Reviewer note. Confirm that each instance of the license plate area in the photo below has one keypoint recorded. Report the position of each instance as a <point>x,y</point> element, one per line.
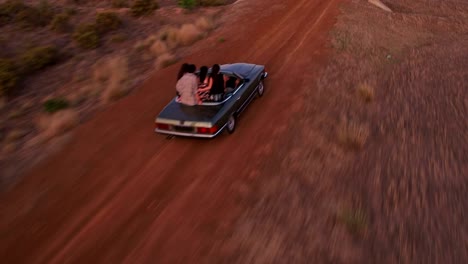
<point>185,129</point>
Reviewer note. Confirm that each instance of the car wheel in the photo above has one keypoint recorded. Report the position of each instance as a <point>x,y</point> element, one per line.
<point>260,89</point>
<point>231,124</point>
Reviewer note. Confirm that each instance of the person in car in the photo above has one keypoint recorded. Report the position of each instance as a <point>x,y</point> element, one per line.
<point>203,82</point>
<point>202,77</point>
<point>231,83</point>
<point>187,87</point>
<point>215,84</point>
<point>182,71</point>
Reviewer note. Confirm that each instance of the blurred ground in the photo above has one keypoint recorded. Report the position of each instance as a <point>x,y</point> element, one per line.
<point>357,155</point>
<point>374,169</point>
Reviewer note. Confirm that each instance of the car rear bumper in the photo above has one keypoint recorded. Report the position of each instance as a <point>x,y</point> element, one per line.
<point>184,134</point>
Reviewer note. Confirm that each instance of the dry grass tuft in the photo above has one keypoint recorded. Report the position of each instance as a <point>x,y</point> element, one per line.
<point>110,76</point>
<point>170,35</point>
<point>366,91</point>
<point>165,60</point>
<point>352,134</point>
<point>57,124</point>
<point>158,48</point>
<point>204,24</point>
<point>189,34</point>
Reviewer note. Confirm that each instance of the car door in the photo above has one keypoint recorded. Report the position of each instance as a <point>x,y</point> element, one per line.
<point>241,94</point>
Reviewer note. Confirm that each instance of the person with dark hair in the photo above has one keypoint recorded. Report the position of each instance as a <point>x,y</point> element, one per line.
<point>215,84</point>
<point>182,70</point>
<point>187,87</point>
<point>202,80</point>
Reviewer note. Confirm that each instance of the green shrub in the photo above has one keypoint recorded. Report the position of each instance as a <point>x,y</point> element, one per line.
<point>86,36</point>
<point>107,21</point>
<point>55,105</point>
<point>143,7</point>
<point>60,23</point>
<point>9,76</point>
<point>119,3</point>
<point>38,58</point>
<point>187,4</point>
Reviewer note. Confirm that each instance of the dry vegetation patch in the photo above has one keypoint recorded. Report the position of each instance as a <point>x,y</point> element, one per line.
<point>72,52</point>
<point>165,60</point>
<point>111,76</point>
<point>55,124</point>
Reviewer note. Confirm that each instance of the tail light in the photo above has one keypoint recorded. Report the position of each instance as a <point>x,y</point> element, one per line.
<point>162,126</point>
<point>207,130</point>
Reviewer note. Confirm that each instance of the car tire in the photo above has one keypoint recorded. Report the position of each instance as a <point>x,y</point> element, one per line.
<point>231,124</point>
<point>260,89</point>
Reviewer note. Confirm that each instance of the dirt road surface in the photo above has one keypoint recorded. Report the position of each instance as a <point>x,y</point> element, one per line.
<point>118,193</point>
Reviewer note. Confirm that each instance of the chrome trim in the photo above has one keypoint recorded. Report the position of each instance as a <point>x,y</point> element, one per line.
<point>186,123</point>
<point>167,132</point>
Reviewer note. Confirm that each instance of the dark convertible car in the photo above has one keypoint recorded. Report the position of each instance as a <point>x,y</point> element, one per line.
<point>211,118</point>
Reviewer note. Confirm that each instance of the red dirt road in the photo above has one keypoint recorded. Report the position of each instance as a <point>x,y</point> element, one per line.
<point>119,193</point>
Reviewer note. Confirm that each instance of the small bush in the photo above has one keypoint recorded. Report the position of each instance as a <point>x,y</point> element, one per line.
<point>188,34</point>
<point>204,24</point>
<point>158,48</point>
<point>107,21</point>
<point>111,77</point>
<point>60,23</point>
<point>56,124</point>
<point>55,105</point>
<point>165,60</point>
<point>143,7</point>
<point>86,36</point>
<point>38,58</point>
<point>187,4</point>
<point>8,76</point>
<point>170,36</point>
<point>119,3</point>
